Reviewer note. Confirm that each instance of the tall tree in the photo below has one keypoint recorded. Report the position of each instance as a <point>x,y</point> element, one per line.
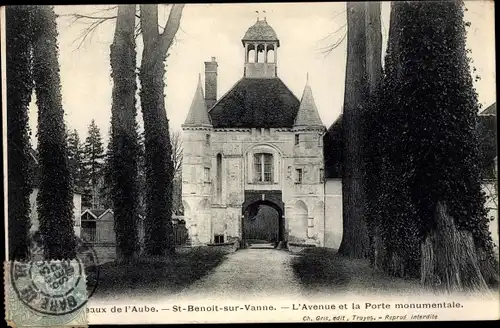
<point>355,242</point>
<point>124,135</point>
<point>374,78</point>
<point>75,155</point>
<point>19,89</point>
<point>55,197</point>
<point>432,215</point>
<point>158,149</point>
<point>93,161</point>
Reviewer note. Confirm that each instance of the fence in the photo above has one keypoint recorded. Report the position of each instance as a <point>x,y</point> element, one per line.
<point>181,235</point>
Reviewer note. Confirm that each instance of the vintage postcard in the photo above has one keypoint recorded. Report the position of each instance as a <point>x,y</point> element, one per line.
<point>239,163</point>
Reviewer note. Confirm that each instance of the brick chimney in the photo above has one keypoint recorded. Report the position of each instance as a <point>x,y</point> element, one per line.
<point>211,82</point>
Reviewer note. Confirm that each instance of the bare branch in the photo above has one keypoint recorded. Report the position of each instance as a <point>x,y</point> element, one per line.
<point>80,16</point>
<point>177,151</point>
<point>327,50</point>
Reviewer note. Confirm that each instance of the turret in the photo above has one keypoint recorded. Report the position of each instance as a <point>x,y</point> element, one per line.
<point>261,44</point>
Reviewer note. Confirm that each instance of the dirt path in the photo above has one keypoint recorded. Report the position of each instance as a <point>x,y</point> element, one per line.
<point>249,274</point>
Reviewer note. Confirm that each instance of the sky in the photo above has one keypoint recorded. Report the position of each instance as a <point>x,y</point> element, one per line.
<point>215,30</point>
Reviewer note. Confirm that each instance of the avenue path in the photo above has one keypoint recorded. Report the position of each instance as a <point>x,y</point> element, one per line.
<point>249,274</point>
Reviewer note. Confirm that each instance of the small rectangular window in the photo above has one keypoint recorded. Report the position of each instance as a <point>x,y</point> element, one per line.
<point>297,139</point>
<point>219,239</point>
<point>298,175</point>
<point>207,140</point>
<point>207,175</point>
<point>321,175</point>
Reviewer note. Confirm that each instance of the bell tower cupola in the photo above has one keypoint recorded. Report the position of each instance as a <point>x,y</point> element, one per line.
<point>261,44</point>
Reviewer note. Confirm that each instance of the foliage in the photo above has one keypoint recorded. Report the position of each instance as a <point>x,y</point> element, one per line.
<point>105,193</point>
<point>19,89</point>
<point>93,155</point>
<point>422,132</point>
<point>75,156</point>
<point>55,197</point>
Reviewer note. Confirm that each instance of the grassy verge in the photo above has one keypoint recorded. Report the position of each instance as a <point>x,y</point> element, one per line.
<point>322,270</point>
<point>148,275</point>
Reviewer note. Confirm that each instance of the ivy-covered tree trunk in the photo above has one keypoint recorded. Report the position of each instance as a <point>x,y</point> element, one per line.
<point>158,149</point>
<point>19,89</point>
<point>55,197</point>
<point>124,136</point>
<point>355,242</point>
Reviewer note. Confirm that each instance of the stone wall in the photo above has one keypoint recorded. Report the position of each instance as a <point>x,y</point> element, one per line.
<point>333,213</point>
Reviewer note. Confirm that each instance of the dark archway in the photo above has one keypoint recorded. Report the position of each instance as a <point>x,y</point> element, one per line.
<point>262,222</point>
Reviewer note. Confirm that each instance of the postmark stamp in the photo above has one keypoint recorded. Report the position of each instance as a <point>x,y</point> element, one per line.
<point>46,293</point>
<point>50,293</point>
<point>50,287</point>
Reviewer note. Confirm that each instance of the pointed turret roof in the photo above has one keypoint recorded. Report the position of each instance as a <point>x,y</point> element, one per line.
<point>307,115</point>
<point>198,112</point>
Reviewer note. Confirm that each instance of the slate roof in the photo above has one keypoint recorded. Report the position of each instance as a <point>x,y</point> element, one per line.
<point>490,110</point>
<point>260,31</point>
<point>308,115</point>
<point>198,112</point>
<point>256,103</point>
<point>332,150</point>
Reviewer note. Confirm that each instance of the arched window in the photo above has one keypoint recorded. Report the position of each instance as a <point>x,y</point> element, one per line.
<point>251,53</point>
<point>261,53</point>
<point>263,167</point>
<point>219,178</point>
<point>270,54</point>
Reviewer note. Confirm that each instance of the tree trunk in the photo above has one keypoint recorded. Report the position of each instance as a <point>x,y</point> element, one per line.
<point>124,136</point>
<point>19,89</point>
<point>158,148</point>
<point>449,260</point>
<point>373,45</point>
<point>355,243</point>
<point>55,198</point>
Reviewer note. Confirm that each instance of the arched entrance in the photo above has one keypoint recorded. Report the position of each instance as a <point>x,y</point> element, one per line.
<point>262,223</point>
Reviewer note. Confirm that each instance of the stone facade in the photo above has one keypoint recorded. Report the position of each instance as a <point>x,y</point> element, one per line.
<point>217,210</point>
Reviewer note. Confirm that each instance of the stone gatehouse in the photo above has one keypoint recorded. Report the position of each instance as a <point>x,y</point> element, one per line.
<point>253,165</point>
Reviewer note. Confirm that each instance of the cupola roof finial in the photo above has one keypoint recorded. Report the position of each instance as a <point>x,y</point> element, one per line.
<point>258,16</point>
